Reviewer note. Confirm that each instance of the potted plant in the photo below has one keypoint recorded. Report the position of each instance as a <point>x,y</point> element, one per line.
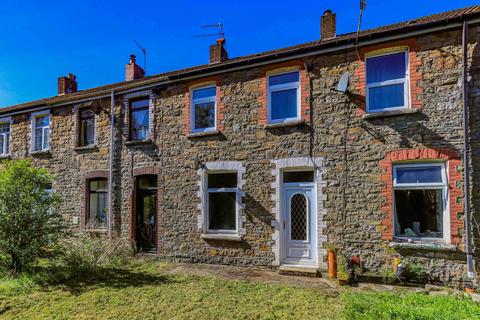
<point>342,272</point>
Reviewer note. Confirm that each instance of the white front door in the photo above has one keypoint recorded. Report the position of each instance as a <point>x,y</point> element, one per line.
<point>299,224</point>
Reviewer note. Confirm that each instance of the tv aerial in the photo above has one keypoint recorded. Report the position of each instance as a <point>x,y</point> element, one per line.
<point>219,34</point>
<point>144,51</point>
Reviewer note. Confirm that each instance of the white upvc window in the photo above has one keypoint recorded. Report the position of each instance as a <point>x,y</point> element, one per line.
<point>420,202</point>
<point>222,202</point>
<point>283,97</point>
<point>5,127</point>
<point>40,131</point>
<point>387,82</point>
<point>203,109</point>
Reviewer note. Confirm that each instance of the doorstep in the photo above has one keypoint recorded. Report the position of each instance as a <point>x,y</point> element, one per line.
<point>304,271</point>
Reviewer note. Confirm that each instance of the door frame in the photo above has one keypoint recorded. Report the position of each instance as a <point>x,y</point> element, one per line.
<point>311,221</point>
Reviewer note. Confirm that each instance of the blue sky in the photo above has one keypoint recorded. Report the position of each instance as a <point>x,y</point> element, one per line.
<point>42,40</point>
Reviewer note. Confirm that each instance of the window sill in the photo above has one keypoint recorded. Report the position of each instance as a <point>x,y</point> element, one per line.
<point>203,134</point>
<point>285,124</point>
<point>86,148</point>
<point>5,156</point>
<point>96,230</point>
<point>429,246</point>
<point>40,153</point>
<point>221,236</point>
<point>138,142</point>
<point>391,113</point>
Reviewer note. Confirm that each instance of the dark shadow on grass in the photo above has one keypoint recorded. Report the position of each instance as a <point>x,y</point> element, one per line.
<point>78,281</point>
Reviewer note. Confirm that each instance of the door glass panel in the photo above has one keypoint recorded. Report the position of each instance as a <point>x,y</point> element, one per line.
<point>298,217</point>
<point>148,222</point>
<point>298,176</point>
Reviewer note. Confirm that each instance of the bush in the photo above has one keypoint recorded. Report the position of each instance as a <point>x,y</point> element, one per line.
<point>82,251</point>
<point>29,223</point>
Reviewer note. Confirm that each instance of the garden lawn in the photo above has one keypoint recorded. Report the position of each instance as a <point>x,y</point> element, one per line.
<point>146,291</point>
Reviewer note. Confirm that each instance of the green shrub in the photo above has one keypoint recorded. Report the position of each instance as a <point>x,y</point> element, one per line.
<point>29,223</point>
<point>83,251</point>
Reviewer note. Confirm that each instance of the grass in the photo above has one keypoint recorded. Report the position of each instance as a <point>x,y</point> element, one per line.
<point>146,291</point>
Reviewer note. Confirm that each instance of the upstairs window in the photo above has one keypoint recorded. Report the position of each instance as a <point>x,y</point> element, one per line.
<point>203,109</point>
<point>87,128</point>
<point>284,97</point>
<point>222,202</point>
<point>139,119</point>
<point>387,82</point>
<point>97,203</point>
<point>420,200</point>
<point>40,132</point>
<point>4,137</point>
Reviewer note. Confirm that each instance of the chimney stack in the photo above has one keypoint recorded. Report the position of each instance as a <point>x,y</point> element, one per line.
<point>328,25</point>
<point>218,52</point>
<point>133,71</point>
<point>67,84</point>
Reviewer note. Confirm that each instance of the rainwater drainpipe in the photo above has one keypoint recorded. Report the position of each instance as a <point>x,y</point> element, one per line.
<point>110,165</point>
<point>466,153</point>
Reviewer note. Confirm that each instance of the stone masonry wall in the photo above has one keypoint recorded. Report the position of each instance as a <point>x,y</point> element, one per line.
<point>352,148</point>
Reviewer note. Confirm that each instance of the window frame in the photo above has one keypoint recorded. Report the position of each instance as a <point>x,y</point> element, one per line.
<point>79,133</point>
<point>193,102</point>
<point>443,186</point>
<point>97,224</point>
<point>221,190</point>
<point>7,136</point>
<point>34,119</point>
<point>405,81</point>
<point>280,87</point>
<point>130,115</point>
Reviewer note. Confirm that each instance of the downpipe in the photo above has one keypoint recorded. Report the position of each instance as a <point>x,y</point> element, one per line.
<point>110,165</point>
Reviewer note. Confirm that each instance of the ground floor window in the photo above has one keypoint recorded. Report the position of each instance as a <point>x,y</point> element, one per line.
<point>97,203</point>
<point>420,200</point>
<point>222,201</point>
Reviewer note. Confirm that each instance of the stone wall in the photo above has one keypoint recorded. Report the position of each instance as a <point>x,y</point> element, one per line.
<point>351,147</point>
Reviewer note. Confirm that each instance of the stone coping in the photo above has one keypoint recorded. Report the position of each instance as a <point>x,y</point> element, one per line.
<point>430,246</point>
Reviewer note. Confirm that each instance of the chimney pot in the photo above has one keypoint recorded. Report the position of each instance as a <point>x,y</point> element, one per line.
<point>218,53</point>
<point>133,70</point>
<point>328,25</point>
<point>67,84</point>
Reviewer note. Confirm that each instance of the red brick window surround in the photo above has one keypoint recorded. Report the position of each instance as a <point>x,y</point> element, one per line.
<point>413,75</point>
<point>454,181</point>
<point>216,82</point>
<point>275,69</point>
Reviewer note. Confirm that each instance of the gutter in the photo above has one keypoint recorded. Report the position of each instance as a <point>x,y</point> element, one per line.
<point>466,154</point>
<point>293,54</point>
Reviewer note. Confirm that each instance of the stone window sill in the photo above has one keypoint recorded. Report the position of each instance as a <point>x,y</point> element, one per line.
<point>221,236</point>
<point>5,156</point>
<point>285,124</point>
<point>40,153</point>
<point>429,246</point>
<point>138,142</point>
<point>86,148</point>
<point>391,113</point>
<point>96,230</point>
<point>203,134</point>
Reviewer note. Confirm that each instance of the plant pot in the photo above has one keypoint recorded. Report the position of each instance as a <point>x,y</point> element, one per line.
<point>332,264</point>
<point>469,290</point>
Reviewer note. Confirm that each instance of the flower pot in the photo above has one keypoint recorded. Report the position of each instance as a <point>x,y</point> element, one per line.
<point>332,264</point>
<point>469,290</point>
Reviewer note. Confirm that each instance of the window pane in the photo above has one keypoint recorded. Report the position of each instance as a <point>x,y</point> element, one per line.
<point>204,93</point>
<point>135,104</point>
<point>204,115</point>
<point>7,143</point>
<point>221,211</point>
<point>283,78</point>
<point>387,67</point>
<point>298,176</point>
<point>284,104</point>
<point>86,114</point>
<point>2,144</point>
<point>139,124</point>
<point>419,175</point>
<point>385,97</point>
<point>87,133</point>
<point>147,182</point>
<point>222,180</point>
<point>38,139</point>
<point>4,127</point>
<point>42,121</point>
<point>46,138</point>
<point>419,213</point>
<point>298,217</point>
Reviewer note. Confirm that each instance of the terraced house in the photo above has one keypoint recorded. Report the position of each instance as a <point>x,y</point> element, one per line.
<point>262,160</point>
